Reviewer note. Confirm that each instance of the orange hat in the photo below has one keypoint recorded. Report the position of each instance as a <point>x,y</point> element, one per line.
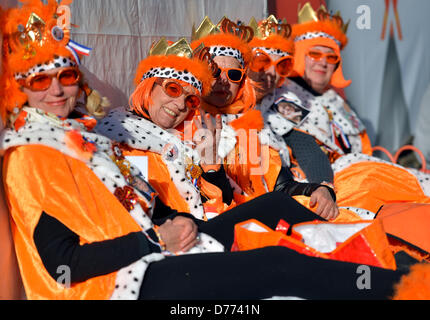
<point>319,29</point>
<point>272,37</point>
<point>34,41</point>
<point>224,39</point>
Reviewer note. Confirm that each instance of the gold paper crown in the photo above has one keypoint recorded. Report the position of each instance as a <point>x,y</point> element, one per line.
<point>307,14</point>
<point>207,28</point>
<point>270,26</point>
<point>180,48</point>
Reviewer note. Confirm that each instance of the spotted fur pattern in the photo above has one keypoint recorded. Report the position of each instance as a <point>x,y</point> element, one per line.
<point>313,35</point>
<point>222,51</point>
<point>58,62</point>
<point>277,52</point>
<point>137,132</point>
<point>318,124</point>
<point>172,73</point>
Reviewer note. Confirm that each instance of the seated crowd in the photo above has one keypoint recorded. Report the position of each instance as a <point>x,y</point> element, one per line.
<point>240,125</point>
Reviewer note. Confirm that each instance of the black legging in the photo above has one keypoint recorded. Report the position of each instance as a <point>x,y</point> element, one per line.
<point>261,273</point>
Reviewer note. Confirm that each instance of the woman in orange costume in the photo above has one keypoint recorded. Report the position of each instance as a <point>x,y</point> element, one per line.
<point>361,181</point>
<point>254,168</point>
<point>11,283</point>
<point>174,167</point>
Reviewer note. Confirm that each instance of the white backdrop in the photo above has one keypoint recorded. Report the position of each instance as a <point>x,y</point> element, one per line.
<point>388,80</point>
<point>121,32</point>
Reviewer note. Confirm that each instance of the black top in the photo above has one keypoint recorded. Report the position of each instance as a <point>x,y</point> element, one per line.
<point>302,82</point>
<point>58,245</point>
<point>311,159</point>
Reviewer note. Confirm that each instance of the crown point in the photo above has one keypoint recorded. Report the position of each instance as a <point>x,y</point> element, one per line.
<point>205,28</point>
<point>307,13</point>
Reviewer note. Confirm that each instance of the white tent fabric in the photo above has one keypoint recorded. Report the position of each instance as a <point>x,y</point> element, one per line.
<point>122,31</point>
<point>387,100</point>
<point>422,133</point>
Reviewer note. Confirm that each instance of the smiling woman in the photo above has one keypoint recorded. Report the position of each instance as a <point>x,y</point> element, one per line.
<point>53,91</point>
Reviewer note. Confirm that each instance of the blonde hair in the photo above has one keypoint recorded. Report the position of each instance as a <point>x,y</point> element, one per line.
<point>95,104</point>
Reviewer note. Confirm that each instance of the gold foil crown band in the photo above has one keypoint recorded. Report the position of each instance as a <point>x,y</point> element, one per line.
<point>307,14</point>
<point>207,28</point>
<point>270,26</point>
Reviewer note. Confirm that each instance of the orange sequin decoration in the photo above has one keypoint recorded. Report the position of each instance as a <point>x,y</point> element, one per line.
<point>126,196</point>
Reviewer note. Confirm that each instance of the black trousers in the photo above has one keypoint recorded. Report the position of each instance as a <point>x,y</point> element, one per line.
<point>261,273</point>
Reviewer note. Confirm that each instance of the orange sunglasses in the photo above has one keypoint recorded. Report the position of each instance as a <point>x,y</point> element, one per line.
<point>233,74</point>
<point>175,89</point>
<point>261,61</point>
<point>317,55</point>
<point>42,81</point>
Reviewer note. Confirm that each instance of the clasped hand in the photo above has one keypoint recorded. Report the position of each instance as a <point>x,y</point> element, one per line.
<point>179,234</point>
<point>327,208</point>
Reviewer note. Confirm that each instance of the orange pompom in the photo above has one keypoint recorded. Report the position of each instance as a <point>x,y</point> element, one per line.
<point>251,119</point>
<point>415,285</point>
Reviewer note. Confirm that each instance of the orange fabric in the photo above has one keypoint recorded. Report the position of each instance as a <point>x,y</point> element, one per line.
<point>39,178</point>
<point>245,239</point>
<point>366,145</point>
<point>11,284</point>
<point>408,221</point>
<point>253,181</point>
<point>369,185</point>
<point>368,246</point>
<point>159,178</point>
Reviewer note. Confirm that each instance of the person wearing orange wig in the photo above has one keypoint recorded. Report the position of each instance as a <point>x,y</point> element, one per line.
<point>234,98</point>
<point>319,39</point>
<point>159,109</point>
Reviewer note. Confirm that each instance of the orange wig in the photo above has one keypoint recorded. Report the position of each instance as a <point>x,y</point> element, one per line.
<point>330,35</point>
